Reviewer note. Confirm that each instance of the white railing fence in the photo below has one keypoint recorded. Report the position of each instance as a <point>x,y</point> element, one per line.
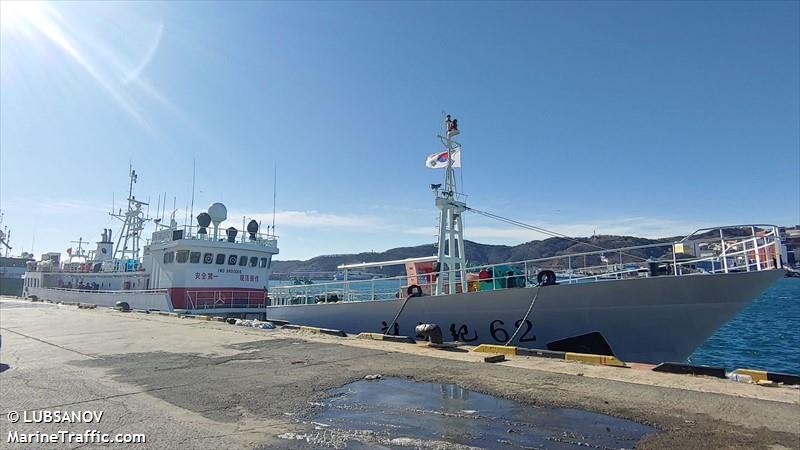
<point>738,248</point>
<point>224,299</point>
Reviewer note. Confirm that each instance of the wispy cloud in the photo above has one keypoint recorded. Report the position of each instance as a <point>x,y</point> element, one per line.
<point>51,206</point>
<point>649,227</point>
<point>476,229</point>
<point>312,219</point>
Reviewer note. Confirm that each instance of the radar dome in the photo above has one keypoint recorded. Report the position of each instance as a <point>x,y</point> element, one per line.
<point>218,212</point>
<point>252,227</point>
<point>203,219</point>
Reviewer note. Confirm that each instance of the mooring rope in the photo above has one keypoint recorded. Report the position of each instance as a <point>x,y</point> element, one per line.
<point>525,319</point>
<point>547,232</point>
<point>396,316</point>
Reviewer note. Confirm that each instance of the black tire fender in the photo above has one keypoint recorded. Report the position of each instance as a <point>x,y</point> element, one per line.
<point>414,291</point>
<point>546,278</point>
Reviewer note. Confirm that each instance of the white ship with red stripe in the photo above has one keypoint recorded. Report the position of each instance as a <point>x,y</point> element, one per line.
<point>200,268</point>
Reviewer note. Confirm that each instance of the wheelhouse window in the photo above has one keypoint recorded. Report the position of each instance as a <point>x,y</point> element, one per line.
<point>263,263</point>
<point>182,256</point>
<point>194,257</point>
<point>232,260</point>
<point>169,257</point>
<point>220,258</point>
<point>253,261</point>
<point>243,261</point>
<point>208,258</point>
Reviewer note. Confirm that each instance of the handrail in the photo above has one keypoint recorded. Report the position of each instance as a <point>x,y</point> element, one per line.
<point>190,232</point>
<point>99,291</point>
<point>741,253</point>
<point>748,225</point>
<point>223,298</point>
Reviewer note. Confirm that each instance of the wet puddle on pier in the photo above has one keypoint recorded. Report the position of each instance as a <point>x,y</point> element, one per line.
<point>399,414</point>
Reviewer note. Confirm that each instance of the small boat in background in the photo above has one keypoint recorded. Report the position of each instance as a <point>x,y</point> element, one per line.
<point>354,275</point>
<point>12,268</point>
<point>199,268</point>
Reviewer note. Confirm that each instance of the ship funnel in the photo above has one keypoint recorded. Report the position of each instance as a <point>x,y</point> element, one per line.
<point>218,213</point>
<point>105,236</point>
<point>105,248</point>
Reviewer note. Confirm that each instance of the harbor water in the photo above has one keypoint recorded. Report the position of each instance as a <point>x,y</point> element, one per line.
<point>765,335</point>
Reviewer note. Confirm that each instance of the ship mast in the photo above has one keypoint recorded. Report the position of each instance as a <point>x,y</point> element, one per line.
<point>78,252</point>
<point>5,236</point>
<point>133,222</point>
<point>451,259</point>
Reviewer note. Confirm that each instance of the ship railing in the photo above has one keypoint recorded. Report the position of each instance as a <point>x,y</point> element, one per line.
<point>167,234</point>
<point>719,250</point>
<point>118,291</point>
<point>224,299</point>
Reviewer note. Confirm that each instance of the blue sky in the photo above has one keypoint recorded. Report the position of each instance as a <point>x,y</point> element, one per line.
<point>639,118</point>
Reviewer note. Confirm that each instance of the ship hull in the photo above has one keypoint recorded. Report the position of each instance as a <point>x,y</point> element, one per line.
<point>653,320</point>
<point>155,300</point>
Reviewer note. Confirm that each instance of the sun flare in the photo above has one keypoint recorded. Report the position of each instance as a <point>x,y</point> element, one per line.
<point>16,15</point>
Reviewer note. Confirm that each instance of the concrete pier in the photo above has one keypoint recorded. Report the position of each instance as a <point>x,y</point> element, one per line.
<point>194,383</point>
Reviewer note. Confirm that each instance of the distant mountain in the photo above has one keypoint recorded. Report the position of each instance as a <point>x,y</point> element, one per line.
<point>478,254</point>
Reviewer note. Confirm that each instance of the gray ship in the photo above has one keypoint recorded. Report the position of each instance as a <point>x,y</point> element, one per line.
<point>652,303</point>
<point>12,268</point>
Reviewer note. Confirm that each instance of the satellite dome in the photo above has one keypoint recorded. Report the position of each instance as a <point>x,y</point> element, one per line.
<point>218,212</point>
